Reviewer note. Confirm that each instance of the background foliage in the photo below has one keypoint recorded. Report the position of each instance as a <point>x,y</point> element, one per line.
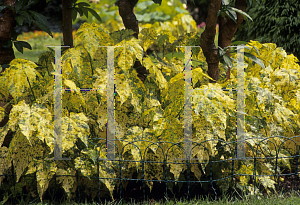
<point>275,21</point>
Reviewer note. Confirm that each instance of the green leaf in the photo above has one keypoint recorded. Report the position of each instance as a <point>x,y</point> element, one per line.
<point>19,20</point>
<point>242,13</point>
<point>22,44</point>
<point>232,14</point>
<point>79,10</point>
<point>41,21</point>
<point>74,14</point>
<point>250,2</point>
<point>85,11</point>
<point>157,1</point>
<point>82,4</point>
<point>26,15</point>
<point>18,5</point>
<point>2,7</point>
<point>227,60</point>
<point>238,43</point>
<point>7,44</point>
<point>7,6</point>
<point>254,59</point>
<point>18,47</point>
<point>94,13</point>
<point>225,2</point>
<point>30,2</point>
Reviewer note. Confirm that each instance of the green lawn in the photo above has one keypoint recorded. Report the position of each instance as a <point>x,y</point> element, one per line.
<point>293,198</point>
<point>38,45</point>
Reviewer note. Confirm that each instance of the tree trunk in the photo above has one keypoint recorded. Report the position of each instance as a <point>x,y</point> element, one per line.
<point>67,23</point>
<point>228,27</point>
<point>130,22</point>
<point>7,23</point>
<point>207,41</point>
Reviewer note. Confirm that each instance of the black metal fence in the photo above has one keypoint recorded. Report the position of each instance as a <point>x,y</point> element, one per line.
<point>221,168</point>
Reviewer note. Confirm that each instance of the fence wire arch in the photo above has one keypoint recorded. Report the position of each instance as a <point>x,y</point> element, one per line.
<point>256,156</point>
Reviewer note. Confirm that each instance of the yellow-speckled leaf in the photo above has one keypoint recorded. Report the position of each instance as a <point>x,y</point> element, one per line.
<point>24,122</point>
<point>148,36</point>
<point>136,135</point>
<point>3,86</point>
<point>128,52</point>
<point>77,66</point>
<point>82,127</point>
<point>122,87</point>
<point>175,95</point>
<point>198,75</point>
<point>19,76</point>
<point>74,127</point>
<point>14,115</point>
<point>155,73</point>
<point>45,172</point>
<point>2,113</point>
<point>4,163</point>
<point>22,153</point>
<point>91,36</point>
<point>66,181</point>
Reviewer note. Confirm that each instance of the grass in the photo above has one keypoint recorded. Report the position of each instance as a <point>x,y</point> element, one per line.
<point>38,41</point>
<point>291,198</point>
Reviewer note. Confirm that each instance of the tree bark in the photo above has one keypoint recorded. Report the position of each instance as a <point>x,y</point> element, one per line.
<point>7,23</point>
<point>207,41</point>
<point>67,23</point>
<point>130,22</point>
<point>228,27</point>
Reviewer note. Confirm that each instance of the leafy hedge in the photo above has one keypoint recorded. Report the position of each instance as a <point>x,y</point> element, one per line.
<point>276,21</point>
<point>151,111</point>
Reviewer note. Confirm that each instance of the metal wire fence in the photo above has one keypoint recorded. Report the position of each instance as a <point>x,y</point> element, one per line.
<point>221,168</point>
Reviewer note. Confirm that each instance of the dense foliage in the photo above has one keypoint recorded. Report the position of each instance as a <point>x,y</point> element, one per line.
<point>276,21</point>
<point>151,111</point>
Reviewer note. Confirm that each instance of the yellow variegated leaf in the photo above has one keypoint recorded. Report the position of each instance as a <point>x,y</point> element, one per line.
<point>127,53</point>
<point>77,66</point>
<point>122,87</point>
<point>66,181</point>
<point>91,36</point>
<point>73,86</point>
<point>2,113</point>
<point>45,172</point>
<point>22,153</point>
<point>15,113</point>
<point>266,181</point>
<point>124,34</point>
<point>198,75</point>
<point>46,60</point>
<point>81,127</point>
<point>24,122</point>
<point>165,37</point>
<point>155,73</point>
<point>86,167</point>
<point>101,82</point>
<point>4,163</point>
<point>283,115</point>
<point>74,127</point>
<point>138,89</point>
<point>176,91</point>
<point>148,37</point>
<point>3,131</point>
<point>3,86</point>
<point>19,76</point>
<point>136,135</point>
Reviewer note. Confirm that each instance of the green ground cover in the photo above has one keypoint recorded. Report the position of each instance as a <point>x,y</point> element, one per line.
<point>291,198</point>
